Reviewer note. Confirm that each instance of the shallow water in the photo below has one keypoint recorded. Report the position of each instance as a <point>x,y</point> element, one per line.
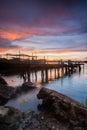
<point>73,85</point>
<point>26,101</point>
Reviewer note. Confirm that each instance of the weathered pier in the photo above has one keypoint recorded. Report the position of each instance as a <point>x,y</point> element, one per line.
<point>46,68</point>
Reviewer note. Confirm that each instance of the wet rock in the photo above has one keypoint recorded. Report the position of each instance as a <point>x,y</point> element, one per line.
<point>28,85</point>
<point>8,92</point>
<point>63,108</point>
<point>3,111</point>
<point>48,123</point>
<point>9,118</point>
<point>2,81</point>
<point>59,113</point>
<point>5,93</point>
<point>78,128</point>
<point>13,119</point>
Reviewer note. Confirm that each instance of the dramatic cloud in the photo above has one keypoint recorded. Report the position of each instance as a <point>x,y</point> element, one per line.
<point>5,43</point>
<point>55,44</point>
<point>41,24</point>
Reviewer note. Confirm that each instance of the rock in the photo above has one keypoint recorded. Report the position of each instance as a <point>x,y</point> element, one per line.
<point>60,113</point>
<point>13,119</point>
<point>28,85</point>
<point>78,128</point>
<point>64,108</point>
<point>3,111</point>
<point>8,92</point>
<point>2,81</point>
<point>49,123</point>
<point>5,93</point>
<point>9,118</point>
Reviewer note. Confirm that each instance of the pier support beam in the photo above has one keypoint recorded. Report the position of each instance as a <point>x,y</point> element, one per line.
<point>42,76</point>
<point>46,75</point>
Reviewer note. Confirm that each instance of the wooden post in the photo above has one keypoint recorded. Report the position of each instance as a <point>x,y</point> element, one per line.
<point>35,75</point>
<point>50,74</point>
<point>42,75</point>
<point>46,75</point>
<point>28,76</point>
<point>55,73</point>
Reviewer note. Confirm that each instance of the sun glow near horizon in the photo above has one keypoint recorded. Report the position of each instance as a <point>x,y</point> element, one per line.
<point>58,29</point>
<point>66,55</point>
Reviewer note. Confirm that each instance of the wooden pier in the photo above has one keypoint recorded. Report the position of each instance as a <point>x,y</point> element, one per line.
<point>47,70</point>
<point>27,67</point>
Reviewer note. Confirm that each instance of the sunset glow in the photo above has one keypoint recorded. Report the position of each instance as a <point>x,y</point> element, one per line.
<point>44,28</point>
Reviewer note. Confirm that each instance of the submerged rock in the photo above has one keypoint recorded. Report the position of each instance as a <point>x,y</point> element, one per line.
<point>28,85</point>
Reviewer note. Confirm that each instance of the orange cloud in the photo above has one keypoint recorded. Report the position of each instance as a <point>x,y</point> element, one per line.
<point>6,50</point>
<point>13,35</point>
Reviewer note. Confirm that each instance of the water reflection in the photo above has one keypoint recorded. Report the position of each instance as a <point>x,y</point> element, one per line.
<point>72,84</point>
<point>37,77</point>
<point>26,101</point>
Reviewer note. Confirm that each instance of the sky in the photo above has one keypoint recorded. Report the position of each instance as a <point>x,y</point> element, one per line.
<point>44,27</point>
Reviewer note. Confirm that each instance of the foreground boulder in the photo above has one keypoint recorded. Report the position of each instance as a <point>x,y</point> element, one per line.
<point>9,118</point>
<point>5,93</point>
<point>64,108</point>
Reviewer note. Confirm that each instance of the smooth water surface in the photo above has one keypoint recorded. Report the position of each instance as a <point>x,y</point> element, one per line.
<point>73,85</point>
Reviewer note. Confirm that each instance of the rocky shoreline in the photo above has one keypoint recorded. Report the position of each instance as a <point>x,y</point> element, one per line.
<point>64,109</point>
<point>8,92</point>
<point>57,111</point>
<point>13,119</point>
